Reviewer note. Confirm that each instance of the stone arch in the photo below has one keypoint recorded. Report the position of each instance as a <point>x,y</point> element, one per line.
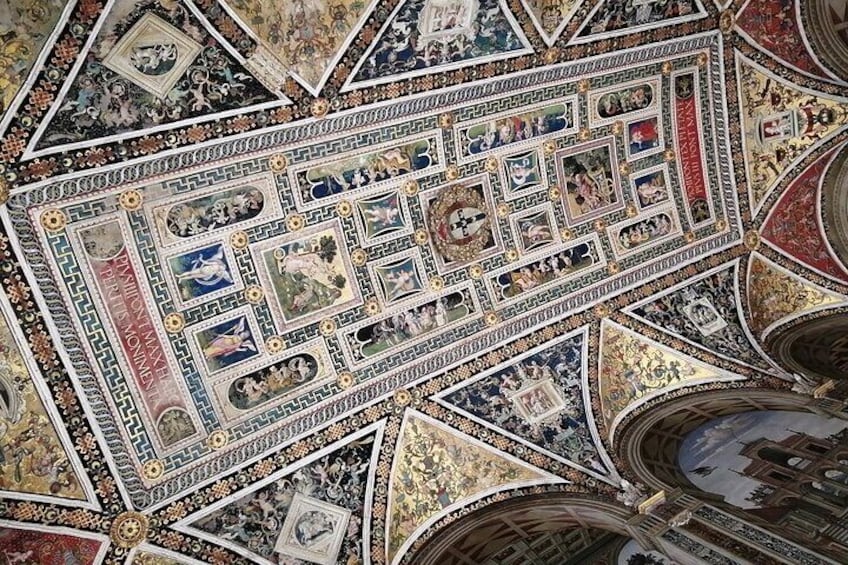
<point>816,348</point>
<point>528,517</point>
<point>825,28</point>
<point>834,204</point>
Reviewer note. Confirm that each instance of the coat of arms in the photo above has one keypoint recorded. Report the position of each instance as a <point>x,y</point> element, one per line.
<point>459,223</point>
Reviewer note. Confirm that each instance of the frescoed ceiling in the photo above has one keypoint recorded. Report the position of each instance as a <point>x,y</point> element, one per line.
<point>305,281</point>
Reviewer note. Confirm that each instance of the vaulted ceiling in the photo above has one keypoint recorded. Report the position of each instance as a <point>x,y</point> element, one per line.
<point>306,280</point>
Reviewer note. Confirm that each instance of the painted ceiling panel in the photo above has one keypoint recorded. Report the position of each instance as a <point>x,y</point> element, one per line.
<point>307,282</point>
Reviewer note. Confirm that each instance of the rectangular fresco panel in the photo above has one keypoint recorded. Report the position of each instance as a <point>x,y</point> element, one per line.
<point>226,342</point>
<point>306,275</point>
<point>233,205</point>
<point>688,136</point>
<point>425,318</point>
<point>588,177</point>
<point>145,352</point>
<point>635,235</point>
<point>542,271</point>
<point>508,129</point>
<point>202,274</point>
<point>650,186</point>
<point>294,372</point>
<point>352,173</point>
<point>624,101</point>
<point>522,172</point>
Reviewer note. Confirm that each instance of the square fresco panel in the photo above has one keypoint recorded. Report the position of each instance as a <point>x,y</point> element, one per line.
<point>307,275</point>
<point>588,177</point>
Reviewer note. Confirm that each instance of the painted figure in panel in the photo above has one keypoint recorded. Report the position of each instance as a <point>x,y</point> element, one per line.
<point>522,171</point>
<point>215,211</point>
<point>366,169</point>
<point>381,215</point>
<point>631,99</point>
<point>201,272</point>
<point>615,15</point>
<point>410,324</point>
<point>651,188</point>
<point>505,131</point>
<point>643,232</point>
<point>307,279</point>
<point>589,181</point>
<point>227,344</point>
<point>247,392</point>
<point>535,230</point>
<point>545,270</point>
<point>643,136</point>
<point>430,33</point>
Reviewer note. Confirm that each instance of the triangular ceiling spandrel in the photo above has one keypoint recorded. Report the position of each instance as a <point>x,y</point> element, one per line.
<point>776,294</point>
<point>23,33</point>
<point>151,65</point>
<point>423,37</point>
<point>437,469</point>
<point>781,123</point>
<point>794,224</point>
<point>325,498</point>
<point>304,36</point>
<point>633,369</point>
<point>773,27</point>
<point>539,399</point>
<point>551,16</point>
<point>613,18</point>
<point>36,457</point>
<point>705,312</point>
<point>25,544</point>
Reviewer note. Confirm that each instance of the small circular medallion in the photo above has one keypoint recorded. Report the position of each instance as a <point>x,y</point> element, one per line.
<point>174,322</point>
<point>511,255</point>
<point>452,172</point>
<point>153,469</point>
<point>669,155</point>
<point>613,268</point>
<point>275,344</point>
<point>253,294</point>
<point>278,163</point>
<point>53,220</point>
<point>666,68</point>
<point>320,107</point>
<point>358,257</point>
<point>554,193</point>
<point>344,208</point>
<point>475,271</point>
<point>631,211</point>
<point>584,134</point>
<point>344,380</point>
<point>446,120</point>
<point>130,200</point>
<point>503,210</point>
<point>410,187</point>
<point>295,222</point>
<point>752,240</point>
<point>492,165</point>
<point>624,167</point>
<point>437,283</point>
<point>421,237</point>
<point>491,318</point>
<point>371,307</point>
<point>402,397</point>
<point>583,86</point>
<point>327,327</point>
<point>128,529</point>
<point>549,147</point>
<point>239,239</point>
<point>218,439</point>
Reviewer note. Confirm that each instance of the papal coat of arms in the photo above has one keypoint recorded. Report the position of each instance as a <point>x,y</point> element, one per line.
<point>459,223</point>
